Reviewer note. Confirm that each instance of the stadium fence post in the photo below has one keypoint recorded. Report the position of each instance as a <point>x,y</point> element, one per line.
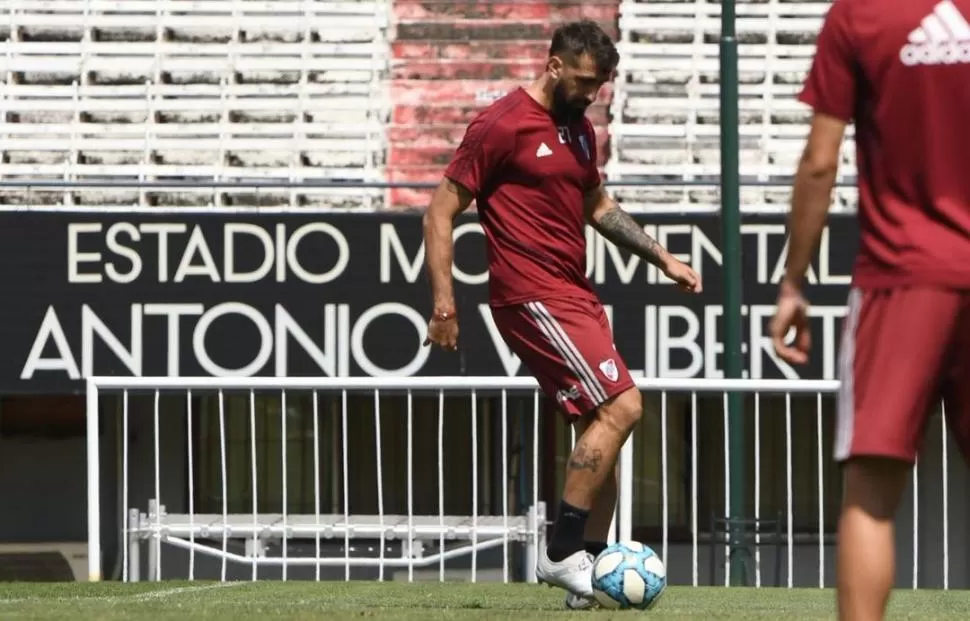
<point>93,483</point>
<point>731,243</point>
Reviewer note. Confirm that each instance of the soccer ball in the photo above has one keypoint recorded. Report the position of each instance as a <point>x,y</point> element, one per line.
<point>628,575</point>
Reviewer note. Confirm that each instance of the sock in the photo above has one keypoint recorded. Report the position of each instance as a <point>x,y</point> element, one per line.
<point>595,547</point>
<point>567,534</point>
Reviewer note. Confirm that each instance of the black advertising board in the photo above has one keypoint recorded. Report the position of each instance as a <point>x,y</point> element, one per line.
<point>220,294</point>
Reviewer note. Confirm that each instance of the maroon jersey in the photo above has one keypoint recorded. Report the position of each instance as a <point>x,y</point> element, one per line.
<point>529,175</point>
<point>901,72</point>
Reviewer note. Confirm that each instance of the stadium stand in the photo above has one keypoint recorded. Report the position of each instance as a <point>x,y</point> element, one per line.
<point>453,58</point>
<point>376,90</point>
<point>207,90</point>
<point>665,112</point>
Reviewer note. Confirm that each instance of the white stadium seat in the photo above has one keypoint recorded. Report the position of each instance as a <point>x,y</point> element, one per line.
<point>665,111</point>
<point>195,90</point>
<point>203,91</point>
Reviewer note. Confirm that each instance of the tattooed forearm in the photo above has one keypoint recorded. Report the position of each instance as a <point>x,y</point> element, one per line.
<point>620,228</point>
<point>583,459</point>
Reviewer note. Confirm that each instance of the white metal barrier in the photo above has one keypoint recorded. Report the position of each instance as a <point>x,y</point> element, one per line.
<point>477,532</point>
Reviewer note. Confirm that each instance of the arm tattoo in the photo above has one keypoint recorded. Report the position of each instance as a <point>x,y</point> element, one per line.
<point>583,459</point>
<point>620,228</point>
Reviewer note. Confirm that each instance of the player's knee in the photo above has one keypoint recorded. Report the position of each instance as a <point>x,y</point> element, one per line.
<point>623,411</point>
<point>875,485</point>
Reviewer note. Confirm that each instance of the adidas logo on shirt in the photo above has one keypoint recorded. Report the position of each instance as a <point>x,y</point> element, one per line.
<point>543,150</point>
<point>943,38</point>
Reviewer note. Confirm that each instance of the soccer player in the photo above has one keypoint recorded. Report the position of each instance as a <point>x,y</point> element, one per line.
<point>529,162</point>
<point>901,72</point>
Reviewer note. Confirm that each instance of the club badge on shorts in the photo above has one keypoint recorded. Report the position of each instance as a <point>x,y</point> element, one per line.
<point>608,368</point>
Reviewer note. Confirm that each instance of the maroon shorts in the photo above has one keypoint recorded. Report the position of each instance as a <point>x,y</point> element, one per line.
<point>568,346</point>
<point>903,351</point>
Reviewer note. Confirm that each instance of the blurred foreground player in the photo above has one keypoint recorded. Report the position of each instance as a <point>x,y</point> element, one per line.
<point>901,72</point>
<point>529,161</point>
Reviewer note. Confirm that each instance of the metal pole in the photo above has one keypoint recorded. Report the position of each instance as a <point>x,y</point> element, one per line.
<point>731,243</point>
<point>94,484</point>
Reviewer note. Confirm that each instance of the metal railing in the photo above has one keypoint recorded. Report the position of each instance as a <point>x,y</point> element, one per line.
<point>343,190</point>
<point>184,527</point>
<point>383,185</point>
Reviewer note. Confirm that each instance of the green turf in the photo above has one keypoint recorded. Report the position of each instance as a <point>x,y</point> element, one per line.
<point>338,601</point>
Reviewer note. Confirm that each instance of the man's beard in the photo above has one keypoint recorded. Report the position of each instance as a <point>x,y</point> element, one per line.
<point>566,109</point>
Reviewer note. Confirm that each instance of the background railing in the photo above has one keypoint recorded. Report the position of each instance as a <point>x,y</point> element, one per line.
<point>484,428</point>
<point>334,183</point>
<point>267,196</point>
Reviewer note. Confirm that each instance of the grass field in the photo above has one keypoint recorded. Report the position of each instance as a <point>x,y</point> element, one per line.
<point>338,601</point>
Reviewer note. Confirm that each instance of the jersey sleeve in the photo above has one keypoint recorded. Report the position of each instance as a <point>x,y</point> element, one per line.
<point>830,87</point>
<point>487,143</point>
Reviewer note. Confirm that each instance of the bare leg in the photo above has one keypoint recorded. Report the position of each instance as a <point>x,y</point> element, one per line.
<point>866,549</point>
<point>591,472</point>
<point>601,517</point>
<point>594,457</point>
<point>604,507</point>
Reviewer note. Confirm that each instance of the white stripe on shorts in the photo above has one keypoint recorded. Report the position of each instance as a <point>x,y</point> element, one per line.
<point>845,409</point>
<point>561,341</point>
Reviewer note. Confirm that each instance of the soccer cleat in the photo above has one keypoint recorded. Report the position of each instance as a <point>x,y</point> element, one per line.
<point>575,602</point>
<point>574,573</point>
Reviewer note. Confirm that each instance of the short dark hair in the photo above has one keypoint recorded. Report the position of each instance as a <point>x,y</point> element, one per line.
<point>572,40</point>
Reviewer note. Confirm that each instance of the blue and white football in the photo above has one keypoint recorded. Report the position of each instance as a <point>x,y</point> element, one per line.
<point>628,575</point>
